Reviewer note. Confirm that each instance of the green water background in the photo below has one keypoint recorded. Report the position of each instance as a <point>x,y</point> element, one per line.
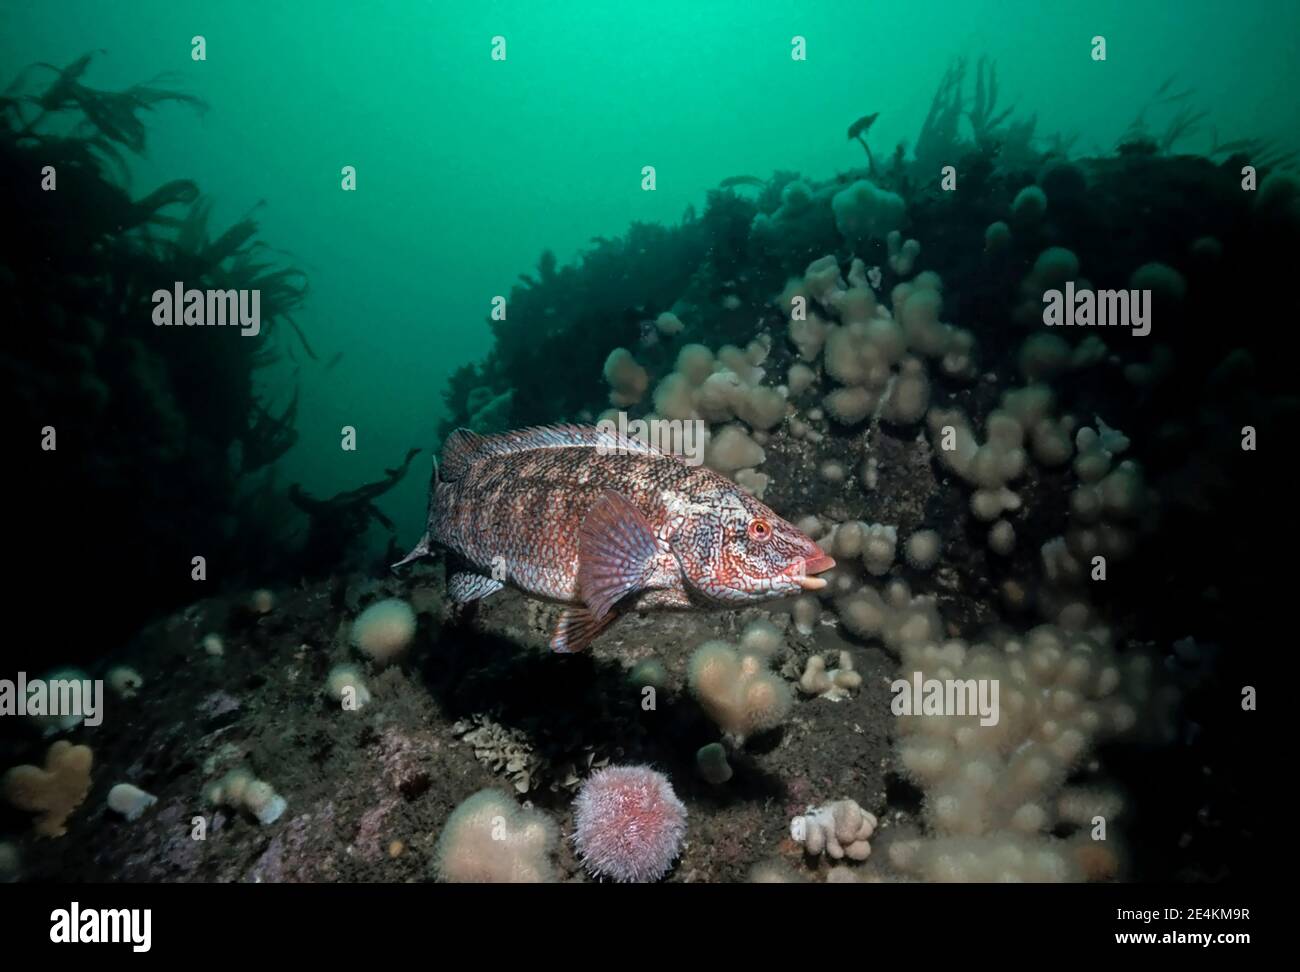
<point>468,168</point>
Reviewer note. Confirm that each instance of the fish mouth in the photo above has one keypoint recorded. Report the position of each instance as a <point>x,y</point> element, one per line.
<point>815,565</point>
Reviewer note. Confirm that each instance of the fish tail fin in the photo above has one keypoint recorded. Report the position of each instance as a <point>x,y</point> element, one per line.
<point>425,546</point>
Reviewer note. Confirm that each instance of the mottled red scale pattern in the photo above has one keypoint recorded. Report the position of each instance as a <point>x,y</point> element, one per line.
<point>527,506</point>
<point>522,496</point>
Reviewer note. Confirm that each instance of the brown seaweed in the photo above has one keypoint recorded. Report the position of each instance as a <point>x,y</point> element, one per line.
<point>337,525</point>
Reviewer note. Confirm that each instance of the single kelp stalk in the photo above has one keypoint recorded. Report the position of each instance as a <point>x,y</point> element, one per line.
<point>859,129</point>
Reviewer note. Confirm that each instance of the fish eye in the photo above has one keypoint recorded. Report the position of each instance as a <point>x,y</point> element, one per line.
<point>759,529</point>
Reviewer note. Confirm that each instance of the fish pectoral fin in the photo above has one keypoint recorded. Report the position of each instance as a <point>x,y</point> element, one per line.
<point>616,551</point>
<point>465,587</point>
<point>578,628</point>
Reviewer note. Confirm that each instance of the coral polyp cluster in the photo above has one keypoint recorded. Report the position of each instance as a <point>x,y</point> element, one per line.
<point>1019,789</point>
<point>737,689</point>
<point>489,839</point>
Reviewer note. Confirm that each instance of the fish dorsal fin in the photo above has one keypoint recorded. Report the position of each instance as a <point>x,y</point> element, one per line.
<point>463,446</point>
<point>457,452</point>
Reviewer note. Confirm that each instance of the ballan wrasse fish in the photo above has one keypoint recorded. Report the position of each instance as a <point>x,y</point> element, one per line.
<point>604,524</point>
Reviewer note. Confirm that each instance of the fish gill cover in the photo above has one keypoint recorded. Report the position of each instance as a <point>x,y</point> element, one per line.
<point>965,463</point>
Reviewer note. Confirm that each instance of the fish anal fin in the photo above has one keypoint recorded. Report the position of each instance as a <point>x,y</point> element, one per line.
<point>616,552</point>
<point>465,587</point>
<point>577,628</point>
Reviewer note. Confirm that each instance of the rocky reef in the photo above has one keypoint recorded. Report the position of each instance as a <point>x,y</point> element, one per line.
<point>1047,540</point>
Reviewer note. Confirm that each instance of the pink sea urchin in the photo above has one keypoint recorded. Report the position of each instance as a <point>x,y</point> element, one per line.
<point>629,824</point>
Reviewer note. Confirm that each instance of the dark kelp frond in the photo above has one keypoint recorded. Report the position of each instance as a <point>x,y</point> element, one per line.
<point>337,525</point>
<point>180,404</point>
<point>113,114</point>
<point>270,436</point>
<point>740,180</point>
<point>861,125</point>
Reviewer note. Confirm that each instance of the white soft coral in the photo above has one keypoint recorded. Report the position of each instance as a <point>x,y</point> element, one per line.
<point>840,829</point>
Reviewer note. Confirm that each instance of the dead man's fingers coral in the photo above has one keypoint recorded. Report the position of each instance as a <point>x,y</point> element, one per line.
<point>130,801</point>
<point>239,789</point>
<point>383,631</point>
<point>52,792</point>
<point>840,829</point>
<point>490,839</point>
<point>738,691</point>
<point>834,684</point>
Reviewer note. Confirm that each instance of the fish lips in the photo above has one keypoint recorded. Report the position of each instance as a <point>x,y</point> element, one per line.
<point>813,565</point>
